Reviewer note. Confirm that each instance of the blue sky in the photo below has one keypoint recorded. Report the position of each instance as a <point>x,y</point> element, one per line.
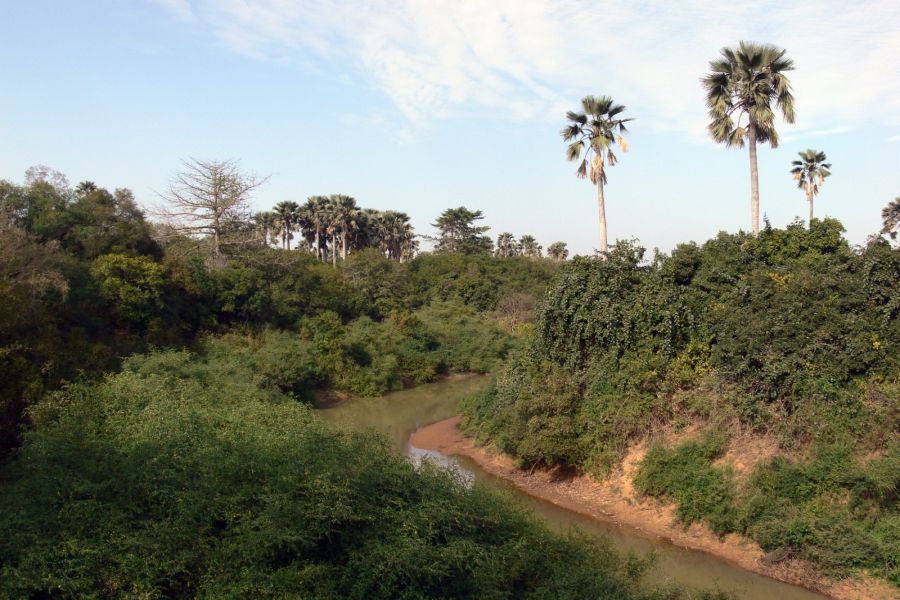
<point>423,105</point>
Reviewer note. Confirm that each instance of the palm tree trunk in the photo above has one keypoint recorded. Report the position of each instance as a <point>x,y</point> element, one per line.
<point>344,245</point>
<point>334,251</point>
<point>754,182</point>
<point>601,204</point>
<point>318,246</point>
<point>809,198</point>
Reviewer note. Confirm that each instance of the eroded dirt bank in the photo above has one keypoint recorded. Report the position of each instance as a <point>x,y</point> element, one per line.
<point>613,500</point>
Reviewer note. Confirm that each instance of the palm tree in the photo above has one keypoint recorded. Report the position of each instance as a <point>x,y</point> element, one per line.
<point>810,172</point>
<point>266,223</point>
<point>592,135</point>
<point>287,213</point>
<point>344,219</point>
<point>558,251</point>
<point>749,81</point>
<point>394,234</point>
<point>530,247</point>
<point>369,227</point>
<point>316,213</point>
<point>506,245</point>
<point>409,247</point>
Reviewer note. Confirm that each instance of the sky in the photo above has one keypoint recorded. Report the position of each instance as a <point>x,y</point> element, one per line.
<point>422,105</point>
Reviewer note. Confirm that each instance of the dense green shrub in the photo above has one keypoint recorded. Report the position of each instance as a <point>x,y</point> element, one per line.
<point>533,418</point>
<point>792,325</point>
<point>793,333</point>
<point>685,475</point>
<point>832,510</point>
<point>477,280</point>
<point>177,480</point>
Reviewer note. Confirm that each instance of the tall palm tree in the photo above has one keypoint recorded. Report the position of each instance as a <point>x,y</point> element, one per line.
<point>266,224</point>
<point>810,172</point>
<point>591,135</point>
<point>368,229</point>
<point>409,247</point>
<point>287,213</point>
<point>344,219</point>
<point>749,81</point>
<point>506,245</point>
<point>316,212</point>
<point>530,246</point>
<point>395,233</point>
<point>558,251</point>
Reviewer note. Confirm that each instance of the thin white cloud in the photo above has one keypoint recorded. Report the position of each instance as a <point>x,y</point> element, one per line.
<point>181,9</point>
<point>533,58</point>
<point>894,138</point>
<point>814,133</point>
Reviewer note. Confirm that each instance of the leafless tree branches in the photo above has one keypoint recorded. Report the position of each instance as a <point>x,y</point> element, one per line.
<point>206,198</point>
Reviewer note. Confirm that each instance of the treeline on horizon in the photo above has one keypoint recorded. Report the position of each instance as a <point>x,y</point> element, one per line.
<point>792,335</point>
<point>210,199</point>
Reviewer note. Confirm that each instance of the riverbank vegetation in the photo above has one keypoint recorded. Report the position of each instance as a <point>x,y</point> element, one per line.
<point>183,477</point>
<point>157,427</point>
<point>793,335</point>
<point>87,280</point>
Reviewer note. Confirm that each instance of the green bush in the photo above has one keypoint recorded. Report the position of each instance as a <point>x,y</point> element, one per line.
<point>686,476</point>
<point>832,510</point>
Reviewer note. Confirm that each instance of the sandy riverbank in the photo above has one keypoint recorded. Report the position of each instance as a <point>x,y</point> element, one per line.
<point>613,500</point>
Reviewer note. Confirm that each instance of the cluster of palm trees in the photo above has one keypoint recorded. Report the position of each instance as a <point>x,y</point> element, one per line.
<point>745,88</point>
<point>331,227</point>
<point>508,246</point>
<point>528,246</point>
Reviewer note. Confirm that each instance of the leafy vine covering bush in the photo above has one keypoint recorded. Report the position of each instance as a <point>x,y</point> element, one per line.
<point>793,334</point>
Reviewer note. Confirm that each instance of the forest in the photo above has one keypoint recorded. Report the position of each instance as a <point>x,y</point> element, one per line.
<point>157,433</point>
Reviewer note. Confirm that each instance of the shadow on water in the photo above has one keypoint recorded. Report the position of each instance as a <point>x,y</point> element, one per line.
<point>400,414</point>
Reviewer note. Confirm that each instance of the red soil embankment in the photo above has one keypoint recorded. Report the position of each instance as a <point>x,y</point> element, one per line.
<point>614,500</point>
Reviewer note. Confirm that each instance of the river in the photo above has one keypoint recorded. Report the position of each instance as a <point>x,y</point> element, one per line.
<point>400,414</point>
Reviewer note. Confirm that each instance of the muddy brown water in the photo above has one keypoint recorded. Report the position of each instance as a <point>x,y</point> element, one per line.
<point>400,414</point>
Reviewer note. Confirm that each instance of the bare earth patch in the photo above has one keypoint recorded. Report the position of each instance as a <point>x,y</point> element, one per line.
<point>614,500</point>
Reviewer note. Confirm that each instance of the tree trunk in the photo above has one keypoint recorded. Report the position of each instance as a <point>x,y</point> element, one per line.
<point>318,245</point>
<point>334,251</point>
<point>216,236</point>
<point>601,204</point>
<point>809,198</point>
<point>754,182</point>
<point>344,246</point>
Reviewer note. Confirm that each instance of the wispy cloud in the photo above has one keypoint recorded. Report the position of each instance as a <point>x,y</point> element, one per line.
<point>180,8</point>
<point>894,138</point>
<point>803,133</point>
<point>534,58</point>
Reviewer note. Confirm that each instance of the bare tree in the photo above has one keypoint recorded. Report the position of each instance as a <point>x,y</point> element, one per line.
<point>44,174</point>
<point>206,198</point>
